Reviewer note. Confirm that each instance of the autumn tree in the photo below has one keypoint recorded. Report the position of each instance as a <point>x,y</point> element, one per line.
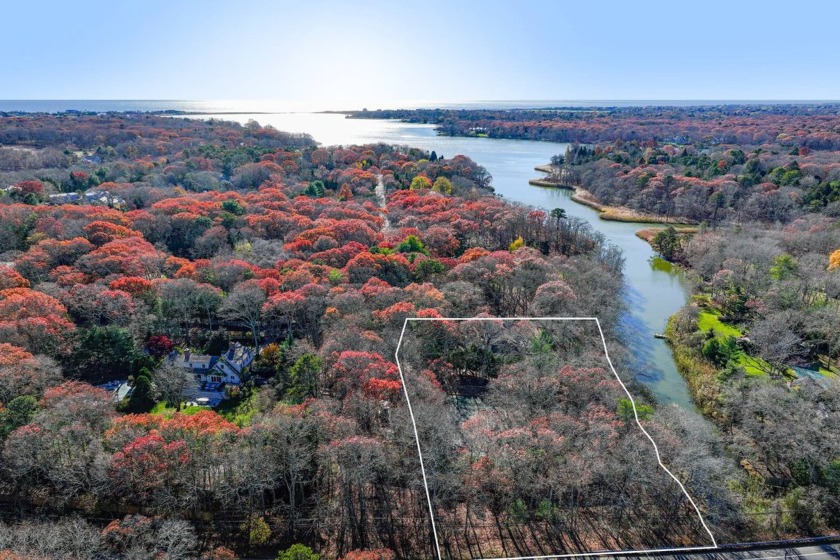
<point>22,374</point>
<point>834,260</point>
<point>34,320</point>
<point>245,304</point>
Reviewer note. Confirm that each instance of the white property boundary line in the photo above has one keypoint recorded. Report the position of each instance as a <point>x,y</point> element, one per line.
<point>635,414</point>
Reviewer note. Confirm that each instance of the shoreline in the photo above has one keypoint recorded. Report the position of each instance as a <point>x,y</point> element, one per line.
<point>606,212</point>
<point>647,234</point>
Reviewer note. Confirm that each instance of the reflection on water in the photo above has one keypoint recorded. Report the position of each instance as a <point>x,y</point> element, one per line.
<point>661,265</point>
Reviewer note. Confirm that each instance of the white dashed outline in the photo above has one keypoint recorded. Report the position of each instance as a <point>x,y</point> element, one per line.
<point>635,414</point>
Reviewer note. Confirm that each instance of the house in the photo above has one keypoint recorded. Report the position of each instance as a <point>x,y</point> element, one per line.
<point>91,196</point>
<point>228,368</point>
<point>99,196</point>
<point>198,364</point>
<point>237,359</point>
<point>64,198</point>
<point>120,389</point>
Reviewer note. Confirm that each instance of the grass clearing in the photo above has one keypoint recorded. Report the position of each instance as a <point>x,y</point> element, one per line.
<point>708,321</point>
<point>167,411</point>
<point>827,373</point>
<point>239,410</point>
<point>753,367</point>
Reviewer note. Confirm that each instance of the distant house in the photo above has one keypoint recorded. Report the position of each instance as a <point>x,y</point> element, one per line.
<point>120,389</point>
<point>65,198</point>
<point>99,196</point>
<point>92,196</point>
<point>228,368</point>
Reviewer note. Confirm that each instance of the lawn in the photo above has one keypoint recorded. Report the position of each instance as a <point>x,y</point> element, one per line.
<point>710,321</point>
<point>828,373</point>
<point>753,367</point>
<point>707,321</point>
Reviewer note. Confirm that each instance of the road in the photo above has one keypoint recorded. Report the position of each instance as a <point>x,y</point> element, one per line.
<point>383,201</point>
<point>809,552</point>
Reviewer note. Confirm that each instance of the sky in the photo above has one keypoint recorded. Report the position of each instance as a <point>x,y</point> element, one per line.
<point>369,52</point>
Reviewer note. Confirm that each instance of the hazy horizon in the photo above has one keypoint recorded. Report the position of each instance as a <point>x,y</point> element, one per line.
<point>383,52</point>
<point>262,106</point>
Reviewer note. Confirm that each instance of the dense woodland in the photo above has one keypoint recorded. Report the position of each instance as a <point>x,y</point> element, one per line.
<point>714,184</point>
<point>213,233</point>
<point>225,233</point>
<point>759,346</point>
<point>550,458</point>
<point>759,342</point>
<point>814,126</point>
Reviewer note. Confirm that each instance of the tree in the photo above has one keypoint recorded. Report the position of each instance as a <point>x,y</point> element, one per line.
<point>517,243</point>
<point>784,266</point>
<point>184,300</point>
<point>420,182</point>
<point>150,471</point>
<point>558,214</point>
<point>245,304</point>
<point>834,260</point>
<point>129,256</point>
<point>21,373</point>
<point>442,185</point>
<point>159,346</point>
<point>138,536</point>
<point>35,321</point>
<point>170,381</point>
<point>233,206</point>
<point>776,341</point>
<point>142,395</point>
<point>412,244</point>
<point>427,269</point>
<point>94,304</point>
<point>298,552</point>
<point>258,531</point>
<point>17,412</point>
<point>625,410</point>
<point>345,192</point>
<point>304,378</point>
<point>102,354</point>
<point>668,244</point>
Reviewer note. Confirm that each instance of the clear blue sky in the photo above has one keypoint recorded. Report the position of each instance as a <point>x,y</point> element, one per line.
<point>446,50</point>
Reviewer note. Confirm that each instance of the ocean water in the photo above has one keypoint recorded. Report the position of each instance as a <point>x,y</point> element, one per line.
<point>297,106</point>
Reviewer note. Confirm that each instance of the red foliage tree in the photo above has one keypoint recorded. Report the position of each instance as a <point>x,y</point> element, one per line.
<point>159,346</point>
<point>34,320</point>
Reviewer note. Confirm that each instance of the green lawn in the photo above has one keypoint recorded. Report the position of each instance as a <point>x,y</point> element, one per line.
<point>707,321</point>
<point>828,373</point>
<point>710,321</point>
<point>753,367</point>
<point>164,410</point>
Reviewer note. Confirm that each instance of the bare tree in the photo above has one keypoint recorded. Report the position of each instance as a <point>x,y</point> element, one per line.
<point>170,381</point>
<point>245,303</point>
<point>776,341</point>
